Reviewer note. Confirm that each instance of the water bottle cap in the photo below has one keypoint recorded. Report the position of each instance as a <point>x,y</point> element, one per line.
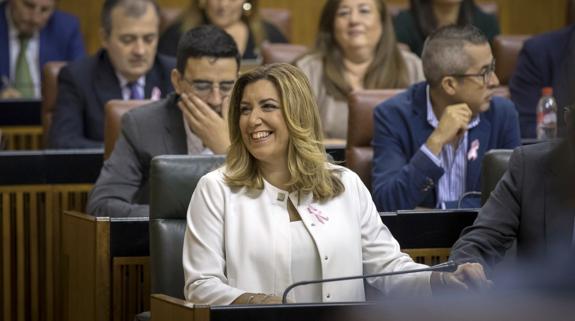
<point>547,91</point>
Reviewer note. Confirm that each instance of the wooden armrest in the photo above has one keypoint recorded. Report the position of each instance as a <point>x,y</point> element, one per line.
<point>167,308</point>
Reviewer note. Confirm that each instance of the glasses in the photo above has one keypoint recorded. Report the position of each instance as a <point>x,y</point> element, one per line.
<point>203,88</point>
<point>485,75</point>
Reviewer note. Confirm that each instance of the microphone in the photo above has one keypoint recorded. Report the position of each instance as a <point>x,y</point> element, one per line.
<point>449,266</point>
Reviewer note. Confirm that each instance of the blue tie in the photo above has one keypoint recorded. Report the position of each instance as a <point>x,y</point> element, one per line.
<point>135,93</point>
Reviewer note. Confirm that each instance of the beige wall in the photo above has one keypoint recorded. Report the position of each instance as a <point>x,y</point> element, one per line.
<point>516,16</point>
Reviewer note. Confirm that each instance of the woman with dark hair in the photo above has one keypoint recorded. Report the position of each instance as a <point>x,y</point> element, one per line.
<point>239,18</point>
<point>278,212</point>
<point>412,26</point>
<point>355,49</point>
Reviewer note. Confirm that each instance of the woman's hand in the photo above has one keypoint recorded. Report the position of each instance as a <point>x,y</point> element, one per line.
<point>468,276</point>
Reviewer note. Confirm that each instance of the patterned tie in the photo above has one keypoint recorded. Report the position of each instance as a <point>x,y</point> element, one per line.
<point>23,79</point>
<point>135,93</point>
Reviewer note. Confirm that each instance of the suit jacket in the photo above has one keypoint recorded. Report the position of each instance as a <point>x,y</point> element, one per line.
<point>403,176</point>
<point>527,205</point>
<point>546,60</point>
<point>84,87</point>
<point>60,40</point>
<point>122,188</point>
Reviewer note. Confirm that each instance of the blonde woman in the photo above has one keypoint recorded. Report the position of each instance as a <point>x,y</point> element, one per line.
<point>278,212</point>
<point>355,49</point>
<point>239,18</point>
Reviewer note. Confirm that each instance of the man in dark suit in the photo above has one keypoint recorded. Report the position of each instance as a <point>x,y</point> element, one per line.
<point>126,68</point>
<point>533,204</point>
<point>547,60</point>
<point>429,141</point>
<point>32,33</point>
<point>190,121</point>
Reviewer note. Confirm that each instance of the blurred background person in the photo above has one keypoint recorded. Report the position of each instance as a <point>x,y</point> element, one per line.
<point>355,49</point>
<point>33,32</point>
<point>277,212</point>
<point>412,26</point>
<point>546,60</point>
<point>127,67</point>
<point>239,18</point>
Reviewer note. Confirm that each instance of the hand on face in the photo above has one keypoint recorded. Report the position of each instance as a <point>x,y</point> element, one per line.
<point>206,123</point>
<point>452,125</point>
<point>468,276</point>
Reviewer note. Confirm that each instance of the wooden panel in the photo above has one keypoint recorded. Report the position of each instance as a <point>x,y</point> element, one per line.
<point>429,256</point>
<point>131,287</point>
<point>531,16</point>
<point>85,268</point>
<point>30,234</point>
<point>165,308</point>
<point>22,137</point>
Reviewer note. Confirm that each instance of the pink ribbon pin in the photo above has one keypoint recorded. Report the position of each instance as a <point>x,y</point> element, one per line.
<point>156,94</point>
<point>317,214</point>
<point>472,154</point>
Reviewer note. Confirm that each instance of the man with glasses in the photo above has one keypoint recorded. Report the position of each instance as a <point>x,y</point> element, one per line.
<point>430,140</point>
<point>192,120</point>
<point>533,204</point>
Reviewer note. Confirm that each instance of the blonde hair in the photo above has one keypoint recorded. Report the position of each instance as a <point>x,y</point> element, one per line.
<point>388,68</point>
<point>307,159</point>
<point>195,15</point>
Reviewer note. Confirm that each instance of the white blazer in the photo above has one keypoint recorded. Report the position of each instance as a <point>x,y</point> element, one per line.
<point>238,240</point>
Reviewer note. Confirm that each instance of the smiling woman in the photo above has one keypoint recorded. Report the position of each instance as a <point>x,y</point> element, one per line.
<point>278,212</point>
<point>355,49</point>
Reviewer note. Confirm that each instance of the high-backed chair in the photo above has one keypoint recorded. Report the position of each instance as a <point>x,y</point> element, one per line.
<point>506,49</point>
<point>281,52</point>
<point>173,180</point>
<point>50,73</point>
<point>358,152</point>
<point>279,17</point>
<point>493,167</point>
<point>114,110</point>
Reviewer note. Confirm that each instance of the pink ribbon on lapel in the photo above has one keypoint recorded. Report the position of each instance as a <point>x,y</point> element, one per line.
<point>317,214</point>
<point>472,154</point>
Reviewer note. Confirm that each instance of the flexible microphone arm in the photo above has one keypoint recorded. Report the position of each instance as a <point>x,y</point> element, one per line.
<point>449,266</point>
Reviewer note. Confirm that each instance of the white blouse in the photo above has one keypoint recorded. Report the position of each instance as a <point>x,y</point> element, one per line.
<point>238,240</point>
<point>305,264</point>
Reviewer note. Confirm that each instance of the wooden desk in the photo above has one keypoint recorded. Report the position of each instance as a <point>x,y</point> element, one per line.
<point>35,187</point>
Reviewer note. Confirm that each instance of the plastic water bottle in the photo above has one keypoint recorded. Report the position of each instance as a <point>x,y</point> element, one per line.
<point>546,115</point>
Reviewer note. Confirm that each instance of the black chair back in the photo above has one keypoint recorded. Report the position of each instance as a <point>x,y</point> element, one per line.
<point>173,179</point>
<point>494,166</point>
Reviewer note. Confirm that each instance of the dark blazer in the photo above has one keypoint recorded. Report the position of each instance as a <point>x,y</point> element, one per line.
<point>403,176</point>
<point>84,87</point>
<point>122,189</point>
<point>60,40</point>
<point>407,32</point>
<point>547,60</point>
<point>169,40</point>
<point>528,205</point>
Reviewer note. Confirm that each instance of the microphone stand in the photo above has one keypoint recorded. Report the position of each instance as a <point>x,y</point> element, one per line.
<point>449,266</point>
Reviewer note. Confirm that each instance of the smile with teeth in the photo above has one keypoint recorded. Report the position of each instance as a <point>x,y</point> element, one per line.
<point>261,135</point>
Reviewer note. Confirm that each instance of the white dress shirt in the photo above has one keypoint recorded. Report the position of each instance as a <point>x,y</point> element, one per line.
<point>238,240</point>
<point>126,91</point>
<point>32,54</point>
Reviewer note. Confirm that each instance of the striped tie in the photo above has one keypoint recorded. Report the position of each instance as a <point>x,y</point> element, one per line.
<point>23,79</point>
